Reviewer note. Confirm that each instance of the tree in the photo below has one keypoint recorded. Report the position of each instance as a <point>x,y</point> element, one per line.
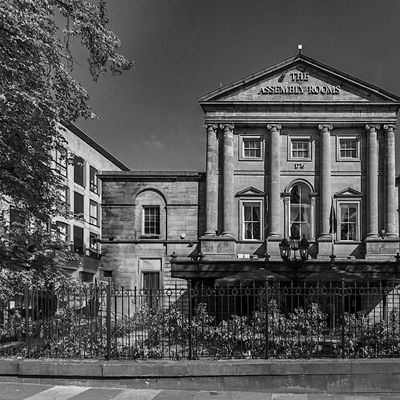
<point>37,94</point>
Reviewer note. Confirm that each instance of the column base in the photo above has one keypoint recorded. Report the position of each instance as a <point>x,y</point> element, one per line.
<point>390,235</point>
<point>228,234</point>
<point>274,236</point>
<point>325,237</point>
<point>372,236</point>
<point>211,234</point>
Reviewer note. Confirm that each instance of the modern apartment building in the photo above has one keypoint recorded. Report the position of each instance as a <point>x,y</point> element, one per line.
<point>82,191</point>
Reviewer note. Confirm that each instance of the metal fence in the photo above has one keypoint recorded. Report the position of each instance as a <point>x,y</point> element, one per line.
<point>259,320</point>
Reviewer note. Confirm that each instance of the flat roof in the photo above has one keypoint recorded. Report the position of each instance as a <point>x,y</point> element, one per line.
<point>82,135</point>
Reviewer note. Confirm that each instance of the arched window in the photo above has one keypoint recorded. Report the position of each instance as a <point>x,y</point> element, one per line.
<point>300,211</point>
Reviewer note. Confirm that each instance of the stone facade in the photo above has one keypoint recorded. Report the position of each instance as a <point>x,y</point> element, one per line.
<point>296,150</point>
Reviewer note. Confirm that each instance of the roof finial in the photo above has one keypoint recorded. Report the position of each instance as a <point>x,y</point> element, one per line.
<point>299,47</point>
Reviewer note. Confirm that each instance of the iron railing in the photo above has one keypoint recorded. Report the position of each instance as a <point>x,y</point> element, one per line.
<point>259,320</point>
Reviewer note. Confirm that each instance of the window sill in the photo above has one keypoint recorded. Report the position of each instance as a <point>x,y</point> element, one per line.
<point>251,159</point>
<point>347,242</point>
<point>250,241</point>
<point>150,236</point>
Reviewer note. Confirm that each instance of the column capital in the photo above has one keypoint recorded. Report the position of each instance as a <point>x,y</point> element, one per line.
<point>274,127</point>
<point>211,127</point>
<point>389,127</point>
<point>372,127</point>
<point>325,127</point>
<point>227,127</point>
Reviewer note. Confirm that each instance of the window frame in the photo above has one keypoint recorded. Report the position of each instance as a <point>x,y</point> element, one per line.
<point>302,138</point>
<point>339,157</point>
<point>95,248</point>
<point>339,203</point>
<point>144,208</point>
<point>242,232</point>
<point>81,229</point>
<point>66,198</point>
<point>94,188</point>
<point>242,156</point>
<point>93,220</point>
<point>58,165</point>
<point>82,214</point>
<point>60,224</point>
<point>310,216</point>
<point>83,171</point>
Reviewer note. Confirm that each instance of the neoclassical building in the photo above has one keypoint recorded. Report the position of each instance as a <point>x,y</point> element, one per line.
<point>300,164</point>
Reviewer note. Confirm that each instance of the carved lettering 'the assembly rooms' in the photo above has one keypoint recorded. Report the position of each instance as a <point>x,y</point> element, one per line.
<point>291,89</point>
<point>296,89</point>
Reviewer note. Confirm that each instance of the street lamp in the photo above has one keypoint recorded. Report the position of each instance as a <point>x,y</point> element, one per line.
<point>295,250</point>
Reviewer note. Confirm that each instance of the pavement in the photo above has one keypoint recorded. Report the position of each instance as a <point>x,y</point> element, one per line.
<point>31,391</point>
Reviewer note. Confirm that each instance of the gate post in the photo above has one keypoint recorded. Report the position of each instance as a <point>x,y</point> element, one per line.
<point>26,308</point>
<point>108,320</point>
<point>266,321</point>
<point>190,319</point>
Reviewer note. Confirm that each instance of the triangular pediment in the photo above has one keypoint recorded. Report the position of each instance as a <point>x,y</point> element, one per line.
<point>348,192</point>
<point>300,79</point>
<point>250,191</point>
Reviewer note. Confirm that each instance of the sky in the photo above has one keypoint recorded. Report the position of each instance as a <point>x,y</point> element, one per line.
<point>150,118</point>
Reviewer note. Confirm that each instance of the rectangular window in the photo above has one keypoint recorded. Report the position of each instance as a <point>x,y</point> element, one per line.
<point>79,170</point>
<point>64,194</point>
<point>300,148</point>
<point>61,160</point>
<point>78,203</point>
<point>94,213</point>
<point>151,286</point>
<point>94,182</point>
<point>151,223</point>
<point>251,216</point>
<point>348,148</point>
<point>251,147</point>
<point>78,240</point>
<point>93,242</point>
<point>63,231</point>
<point>348,221</point>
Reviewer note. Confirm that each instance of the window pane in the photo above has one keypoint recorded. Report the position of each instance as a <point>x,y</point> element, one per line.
<point>93,180</point>
<point>78,203</point>
<point>93,238</point>
<point>251,148</point>
<point>93,212</point>
<point>300,148</point>
<point>348,148</point>
<point>300,204</point>
<point>79,164</point>
<point>63,231</point>
<point>151,285</point>
<point>348,221</point>
<point>151,220</point>
<point>61,160</point>
<point>252,220</point>
<point>78,239</point>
